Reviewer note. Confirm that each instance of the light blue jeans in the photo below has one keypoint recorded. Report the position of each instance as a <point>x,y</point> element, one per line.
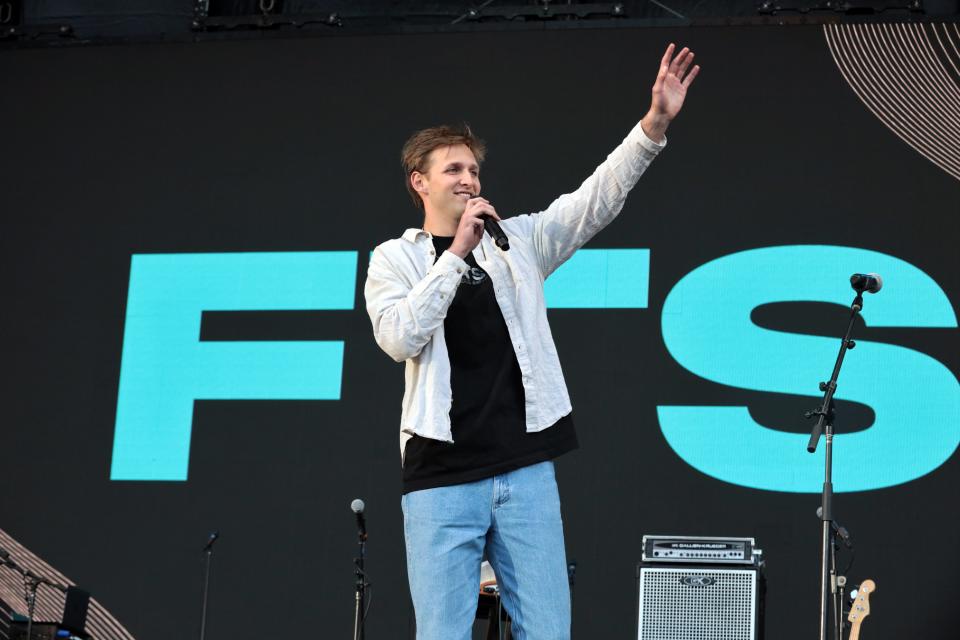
<point>516,517</point>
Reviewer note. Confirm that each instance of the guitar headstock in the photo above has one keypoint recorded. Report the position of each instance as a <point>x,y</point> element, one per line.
<point>860,608</point>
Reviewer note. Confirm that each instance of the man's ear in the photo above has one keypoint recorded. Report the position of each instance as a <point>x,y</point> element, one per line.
<point>418,182</point>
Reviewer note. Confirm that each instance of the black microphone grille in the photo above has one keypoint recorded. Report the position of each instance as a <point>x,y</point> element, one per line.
<point>868,282</point>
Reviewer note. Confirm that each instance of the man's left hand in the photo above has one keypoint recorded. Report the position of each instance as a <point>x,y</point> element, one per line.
<point>669,91</point>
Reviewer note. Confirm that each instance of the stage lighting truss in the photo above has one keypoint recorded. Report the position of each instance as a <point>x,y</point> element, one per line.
<point>845,7</point>
<point>544,10</point>
<point>211,15</point>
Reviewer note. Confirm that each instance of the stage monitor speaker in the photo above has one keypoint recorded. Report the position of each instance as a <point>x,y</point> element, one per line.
<point>75,611</point>
<point>699,602</point>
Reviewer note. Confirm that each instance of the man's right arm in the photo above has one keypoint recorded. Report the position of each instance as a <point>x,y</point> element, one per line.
<point>406,312</point>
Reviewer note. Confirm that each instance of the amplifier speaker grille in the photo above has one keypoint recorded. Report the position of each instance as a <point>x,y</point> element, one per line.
<point>697,604</point>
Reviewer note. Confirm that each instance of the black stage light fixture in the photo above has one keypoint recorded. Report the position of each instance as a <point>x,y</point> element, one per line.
<point>239,15</point>
<point>11,14</point>
<point>218,8</point>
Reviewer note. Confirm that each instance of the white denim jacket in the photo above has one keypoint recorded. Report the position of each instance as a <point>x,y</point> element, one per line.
<point>408,294</point>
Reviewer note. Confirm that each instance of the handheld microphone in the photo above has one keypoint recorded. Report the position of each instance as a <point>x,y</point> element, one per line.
<point>869,282</point>
<point>357,507</point>
<point>210,540</point>
<point>492,227</point>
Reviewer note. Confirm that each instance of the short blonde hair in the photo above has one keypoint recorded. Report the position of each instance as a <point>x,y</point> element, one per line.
<point>416,151</point>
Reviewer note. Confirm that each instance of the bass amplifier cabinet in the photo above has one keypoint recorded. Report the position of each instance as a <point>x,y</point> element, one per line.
<point>699,602</point>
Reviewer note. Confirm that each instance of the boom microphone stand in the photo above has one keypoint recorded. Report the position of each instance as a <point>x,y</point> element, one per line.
<point>207,560</point>
<point>31,582</point>
<point>824,425</point>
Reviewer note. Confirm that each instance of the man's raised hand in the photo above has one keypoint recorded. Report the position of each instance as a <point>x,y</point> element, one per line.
<point>669,91</point>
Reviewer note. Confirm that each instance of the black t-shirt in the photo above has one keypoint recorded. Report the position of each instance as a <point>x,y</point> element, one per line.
<point>488,416</point>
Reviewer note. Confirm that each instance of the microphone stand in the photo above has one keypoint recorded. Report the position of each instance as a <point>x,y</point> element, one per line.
<point>31,583</point>
<point>207,561</point>
<point>361,588</point>
<point>824,426</point>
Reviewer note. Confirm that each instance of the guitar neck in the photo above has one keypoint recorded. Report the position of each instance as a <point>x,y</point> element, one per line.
<point>860,608</point>
<point>854,632</point>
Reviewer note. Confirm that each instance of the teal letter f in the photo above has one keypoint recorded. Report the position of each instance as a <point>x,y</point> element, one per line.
<point>165,366</point>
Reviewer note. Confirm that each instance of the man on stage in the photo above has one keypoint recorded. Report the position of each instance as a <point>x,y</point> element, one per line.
<point>486,409</point>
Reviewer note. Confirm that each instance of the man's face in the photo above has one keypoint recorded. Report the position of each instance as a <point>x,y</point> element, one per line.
<point>452,177</point>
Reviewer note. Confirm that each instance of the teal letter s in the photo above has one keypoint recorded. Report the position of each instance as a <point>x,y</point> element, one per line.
<point>707,329</point>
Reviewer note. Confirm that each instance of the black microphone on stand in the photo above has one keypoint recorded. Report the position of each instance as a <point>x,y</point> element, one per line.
<point>869,282</point>
<point>213,538</point>
<point>361,585</point>
<point>357,506</point>
<point>5,559</point>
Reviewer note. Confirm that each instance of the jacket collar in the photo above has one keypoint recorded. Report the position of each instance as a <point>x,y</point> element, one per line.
<point>411,235</point>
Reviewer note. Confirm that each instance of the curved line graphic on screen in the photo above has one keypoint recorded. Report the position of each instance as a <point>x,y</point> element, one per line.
<point>908,76</point>
<point>50,601</point>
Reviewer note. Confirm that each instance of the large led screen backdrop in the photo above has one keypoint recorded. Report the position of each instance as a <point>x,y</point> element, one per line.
<point>186,234</point>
